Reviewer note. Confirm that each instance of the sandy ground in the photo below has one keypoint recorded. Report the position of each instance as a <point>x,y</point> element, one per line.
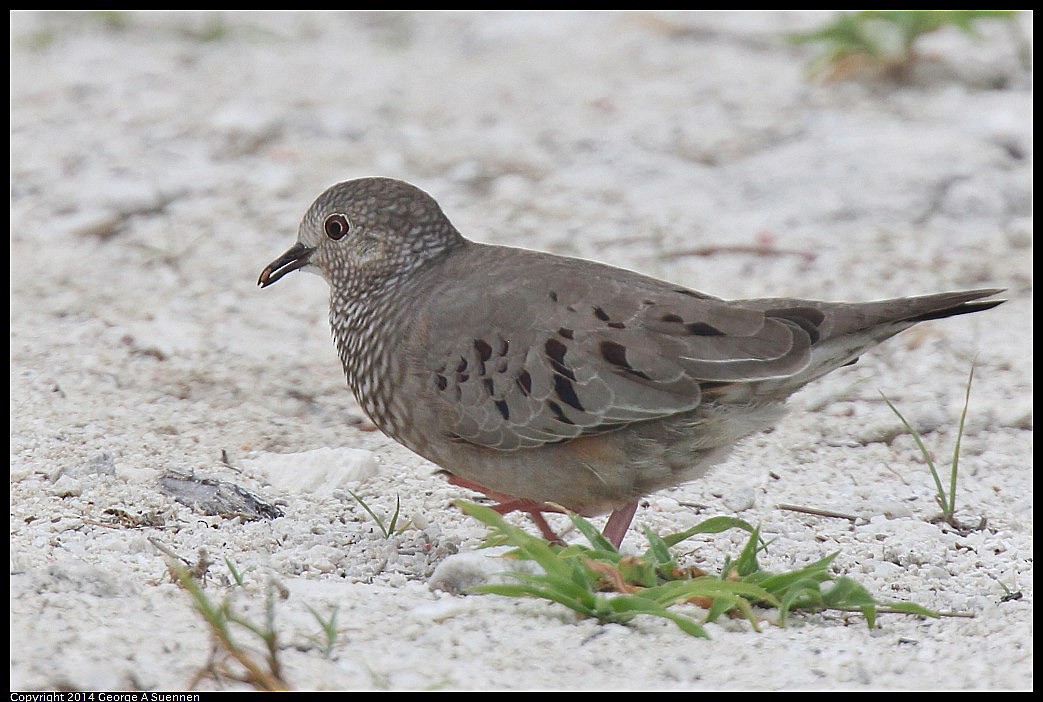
<point>159,161</point>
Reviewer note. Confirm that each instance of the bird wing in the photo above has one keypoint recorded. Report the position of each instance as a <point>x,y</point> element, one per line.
<point>570,348</point>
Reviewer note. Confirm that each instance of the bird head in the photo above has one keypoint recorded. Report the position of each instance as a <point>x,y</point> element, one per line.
<point>361,234</point>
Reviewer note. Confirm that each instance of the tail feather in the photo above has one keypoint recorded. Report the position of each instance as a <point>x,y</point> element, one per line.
<point>878,317</point>
<point>846,330</point>
<point>964,308</point>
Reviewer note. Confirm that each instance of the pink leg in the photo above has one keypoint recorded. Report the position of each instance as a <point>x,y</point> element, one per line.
<point>513,504</point>
<point>618,523</point>
<point>615,528</point>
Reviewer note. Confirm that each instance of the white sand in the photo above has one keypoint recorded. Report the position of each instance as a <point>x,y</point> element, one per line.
<point>154,174</point>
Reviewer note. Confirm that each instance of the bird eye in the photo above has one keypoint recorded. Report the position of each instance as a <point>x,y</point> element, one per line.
<point>336,226</point>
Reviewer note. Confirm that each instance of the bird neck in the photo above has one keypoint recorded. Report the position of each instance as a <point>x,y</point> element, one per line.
<point>369,330</point>
<point>372,326</point>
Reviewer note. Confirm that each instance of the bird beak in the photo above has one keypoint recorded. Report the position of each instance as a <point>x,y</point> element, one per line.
<point>297,257</point>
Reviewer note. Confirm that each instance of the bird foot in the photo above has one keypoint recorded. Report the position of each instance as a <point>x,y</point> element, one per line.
<point>615,529</point>
<point>506,504</point>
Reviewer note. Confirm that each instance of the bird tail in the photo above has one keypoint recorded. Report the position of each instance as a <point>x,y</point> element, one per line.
<point>963,304</point>
<point>841,332</point>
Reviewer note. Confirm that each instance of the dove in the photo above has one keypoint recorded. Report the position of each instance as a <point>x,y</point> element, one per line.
<point>549,382</point>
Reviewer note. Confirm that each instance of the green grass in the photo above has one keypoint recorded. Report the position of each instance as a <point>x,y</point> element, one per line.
<point>883,40</point>
<point>946,499</point>
<point>327,637</point>
<point>599,582</point>
<point>389,528</point>
<point>244,650</point>
<point>238,576</point>
<point>230,660</point>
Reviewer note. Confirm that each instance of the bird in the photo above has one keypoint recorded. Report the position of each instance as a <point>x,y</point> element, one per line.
<point>552,383</point>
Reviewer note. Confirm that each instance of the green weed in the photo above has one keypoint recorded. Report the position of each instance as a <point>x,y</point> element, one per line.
<point>946,499</point>
<point>600,582</point>
<point>389,528</point>
<point>883,41</point>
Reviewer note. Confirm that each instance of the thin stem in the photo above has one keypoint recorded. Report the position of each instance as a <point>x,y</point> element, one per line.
<point>956,451</point>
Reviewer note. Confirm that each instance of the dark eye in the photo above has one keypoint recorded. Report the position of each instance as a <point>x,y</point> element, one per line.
<point>336,226</point>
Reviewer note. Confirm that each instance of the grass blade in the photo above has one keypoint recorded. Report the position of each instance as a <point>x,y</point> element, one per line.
<point>535,590</point>
<point>628,604</point>
<point>713,525</point>
<point>817,571</point>
<point>746,563</point>
<point>378,520</point>
<point>591,533</point>
<point>951,510</point>
<point>531,547</point>
<point>804,594</point>
<point>911,608</point>
<point>394,517</point>
<point>940,497</point>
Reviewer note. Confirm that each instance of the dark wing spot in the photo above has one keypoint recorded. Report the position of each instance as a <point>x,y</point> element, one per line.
<point>703,329</point>
<point>563,370</point>
<point>556,353</point>
<point>601,314</point>
<point>671,318</point>
<point>553,296</point>
<point>614,353</point>
<point>565,332</point>
<point>617,325</point>
<point>690,293</point>
<point>504,343</point>
<point>501,365</point>
<point>502,406</point>
<point>441,382</point>
<point>488,383</point>
<point>462,365</point>
<point>484,350</point>
<point>555,350</point>
<point>566,392</point>
<point>525,382</point>
<point>558,413</point>
<point>462,377</point>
